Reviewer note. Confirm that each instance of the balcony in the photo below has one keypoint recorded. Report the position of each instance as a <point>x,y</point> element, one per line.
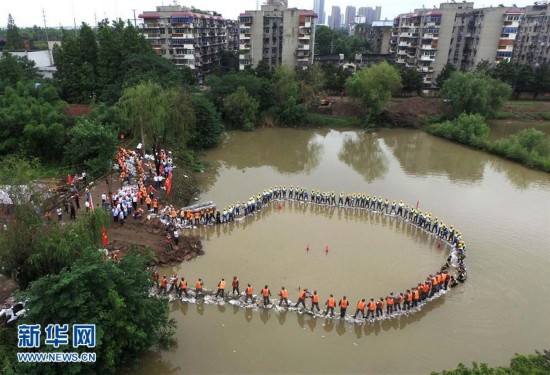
<point>427,58</point>
<point>304,36</point>
<point>303,46</point>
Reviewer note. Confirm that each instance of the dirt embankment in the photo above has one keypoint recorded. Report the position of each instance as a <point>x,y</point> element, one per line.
<point>144,233</point>
<point>152,234</point>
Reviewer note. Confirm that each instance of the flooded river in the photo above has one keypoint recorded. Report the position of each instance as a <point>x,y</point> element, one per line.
<point>501,208</point>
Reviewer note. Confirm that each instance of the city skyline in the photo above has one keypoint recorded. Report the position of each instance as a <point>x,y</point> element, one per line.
<point>69,12</point>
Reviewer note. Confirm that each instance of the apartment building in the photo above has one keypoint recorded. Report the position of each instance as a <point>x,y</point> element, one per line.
<point>422,39</point>
<point>455,33</point>
<point>277,35</point>
<point>486,34</point>
<point>186,37</point>
<point>533,38</point>
<point>349,16</point>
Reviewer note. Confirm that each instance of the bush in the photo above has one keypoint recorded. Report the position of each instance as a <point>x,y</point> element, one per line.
<point>530,146</point>
<point>320,120</point>
<point>468,129</point>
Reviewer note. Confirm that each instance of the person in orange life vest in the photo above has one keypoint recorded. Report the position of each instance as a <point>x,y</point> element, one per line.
<point>360,308</point>
<point>343,303</point>
<point>398,301</point>
<point>380,307</point>
<point>148,203</point>
<point>284,296</point>
<point>425,289</point>
<point>315,301</point>
<point>156,278</point>
<point>389,303</point>
<point>156,205</point>
<point>301,298</point>
<point>408,300</point>
<point>249,291</point>
<point>198,287</point>
<point>163,284</point>
<point>416,297</point>
<point>331,302</point>
<point>266,293</point>
<point>235,285</point>
<point>371,307</point>
<point>183,287</point>
<point>221,288</point>
<point>151,191</point>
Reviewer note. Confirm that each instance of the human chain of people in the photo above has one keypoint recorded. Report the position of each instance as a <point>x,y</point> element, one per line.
<point>392,305</point>
<point>367,309</point>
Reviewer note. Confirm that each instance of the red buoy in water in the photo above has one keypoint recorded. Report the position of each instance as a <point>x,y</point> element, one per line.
<point>326,248</point>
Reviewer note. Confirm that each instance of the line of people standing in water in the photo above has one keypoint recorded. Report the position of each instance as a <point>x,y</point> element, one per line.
<point>389,306</point>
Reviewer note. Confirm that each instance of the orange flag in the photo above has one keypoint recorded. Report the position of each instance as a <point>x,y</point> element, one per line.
<point>104,239</point>
<point>168,184</point>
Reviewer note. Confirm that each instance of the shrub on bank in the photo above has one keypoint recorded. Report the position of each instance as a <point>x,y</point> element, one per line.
<point>320,120</point>
<point>469,129</point>
<point>530,146</point>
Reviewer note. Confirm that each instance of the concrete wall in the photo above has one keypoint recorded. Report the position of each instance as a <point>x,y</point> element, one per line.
<point>291,22</point>
<point>489,35</point>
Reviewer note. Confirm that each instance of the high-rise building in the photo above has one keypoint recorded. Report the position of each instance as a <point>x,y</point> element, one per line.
<point>370,14</point>
<point>456,33</point>
<point>186,37</point>
<point>277,35</point>
<point>350,16</point>
<point>533,39</point>
<point>336,18</point>
<point>378,34</point>
<point>319,8</point>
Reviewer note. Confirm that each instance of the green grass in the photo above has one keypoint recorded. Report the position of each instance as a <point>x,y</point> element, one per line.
<point>501,115</point>
<point>524,102</point>
<point>545,115</point>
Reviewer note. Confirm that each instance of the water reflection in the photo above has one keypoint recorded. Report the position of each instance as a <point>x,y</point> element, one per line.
<point>155,365</point>
<point>287,151</point>
<point>518,175</point>
<point>421,154</point>
<point>362,152</point>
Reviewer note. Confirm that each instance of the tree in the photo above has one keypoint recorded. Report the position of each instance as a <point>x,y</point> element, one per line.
<point>92,144</point>
<point>444,75</point>
<point>289,107</point>
<point>469,129</point>
<point>32,121</point>
<point>541,82</point>
<point>263,70</point>
<point>160,116</point>
<point>475,93</point>
<point>14,42</point>
<point>535,364</point>
<point>114,297</point>
<point>240,110</point>
<point>14,69</point>
<point>208,126</point>
<point>374,85</point>
<point>412,80</point>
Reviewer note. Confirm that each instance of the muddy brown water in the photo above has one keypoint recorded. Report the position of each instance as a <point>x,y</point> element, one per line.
<point>502,209</point>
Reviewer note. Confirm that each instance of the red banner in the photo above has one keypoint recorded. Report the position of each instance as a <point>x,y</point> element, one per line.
<point>104,239</point>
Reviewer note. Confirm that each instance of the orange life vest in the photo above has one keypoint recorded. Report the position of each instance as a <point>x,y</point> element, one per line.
<point>183,284</point>
<point>155,203</point>
<point>390,300</point>
<point>372,306</point>
<point>315,298</point>
<point>344,303</point>
<point>222,284</point>
<point>331,302</point>
<point>265,292</point>
<point>155,276</point>
<point>361,305</point>
<point>148,200</point>
<point>426,287</point>
<point>163,282</point>
<point>249,290</point>
<point>198,284</point>
<point>409,297</point>
<point>284,293</point>
<point>416,294</point>
<point>302,294</point>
